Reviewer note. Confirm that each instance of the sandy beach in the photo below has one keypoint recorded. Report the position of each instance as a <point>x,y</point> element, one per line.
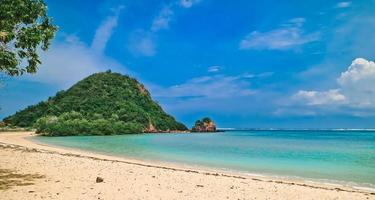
<point>33,171</point>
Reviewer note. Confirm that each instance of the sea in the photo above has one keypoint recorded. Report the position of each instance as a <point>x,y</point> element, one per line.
<point>345,157</point>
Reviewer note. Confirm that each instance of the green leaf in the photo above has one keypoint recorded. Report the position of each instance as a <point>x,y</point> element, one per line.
<point>24,29</point>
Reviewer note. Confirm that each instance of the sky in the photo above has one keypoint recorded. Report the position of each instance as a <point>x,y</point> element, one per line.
<point>245,64</point>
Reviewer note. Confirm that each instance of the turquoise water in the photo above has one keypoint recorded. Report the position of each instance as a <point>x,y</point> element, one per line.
<point>343,156</point>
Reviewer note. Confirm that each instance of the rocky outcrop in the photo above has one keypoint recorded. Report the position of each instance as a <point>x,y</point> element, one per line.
<point>204,125</point>
<point>151,128</point>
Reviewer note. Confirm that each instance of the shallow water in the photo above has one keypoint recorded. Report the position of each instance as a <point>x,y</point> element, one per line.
<point>334,156</point>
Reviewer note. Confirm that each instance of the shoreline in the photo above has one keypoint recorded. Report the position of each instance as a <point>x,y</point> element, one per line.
<point>214,170</point>
<point>20,142</point>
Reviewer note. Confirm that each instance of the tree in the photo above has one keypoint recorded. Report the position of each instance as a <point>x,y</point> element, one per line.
<point>24,29</point>
<point>206,120</point>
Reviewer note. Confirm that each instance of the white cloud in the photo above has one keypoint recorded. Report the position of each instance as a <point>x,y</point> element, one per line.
<point>355,88</point>
<point>344,4</point>
<point>105,30</point>
<point>320,98</point>
<point>214,68</point>
<point>218,86</point>
<point>162,20</point>
<point>71,60</point>
<point>285,37</point>
<point>357,83</point>
<point>360,70</point>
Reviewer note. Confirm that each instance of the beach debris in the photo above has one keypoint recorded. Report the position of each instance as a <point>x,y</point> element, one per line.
<point>200,186</point>
<point>99,179</point>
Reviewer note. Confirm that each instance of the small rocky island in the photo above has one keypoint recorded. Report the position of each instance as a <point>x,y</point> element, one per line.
<point>204,125</point>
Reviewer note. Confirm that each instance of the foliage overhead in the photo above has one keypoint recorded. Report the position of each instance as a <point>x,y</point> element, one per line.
<point>24,29</point>
<point>103,103</point>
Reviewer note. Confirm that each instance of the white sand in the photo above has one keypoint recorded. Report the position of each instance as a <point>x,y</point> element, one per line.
<point>33,171</point>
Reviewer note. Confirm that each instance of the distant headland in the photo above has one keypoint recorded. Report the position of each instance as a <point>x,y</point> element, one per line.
<point>104,103</point>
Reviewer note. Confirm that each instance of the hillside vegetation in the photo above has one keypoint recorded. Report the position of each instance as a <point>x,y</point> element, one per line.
<point>102,104</point>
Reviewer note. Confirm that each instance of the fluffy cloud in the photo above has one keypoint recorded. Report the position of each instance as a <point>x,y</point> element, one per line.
<point>357,83</point>
<point>289,35</point>
<point>361,70</point>
<point>355,88</point>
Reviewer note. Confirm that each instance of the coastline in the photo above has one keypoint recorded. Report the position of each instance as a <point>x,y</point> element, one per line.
<point>212,169</point>
<point>20,153</point>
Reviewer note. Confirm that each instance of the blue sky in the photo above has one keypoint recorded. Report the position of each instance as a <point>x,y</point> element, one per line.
<point>280,64</point>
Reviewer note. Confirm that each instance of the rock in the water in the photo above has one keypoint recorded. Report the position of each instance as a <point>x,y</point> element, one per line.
<point>99,179</point>
<point>204,125</point>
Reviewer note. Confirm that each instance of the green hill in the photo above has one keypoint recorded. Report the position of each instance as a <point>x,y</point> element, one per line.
<point>102,104</point>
